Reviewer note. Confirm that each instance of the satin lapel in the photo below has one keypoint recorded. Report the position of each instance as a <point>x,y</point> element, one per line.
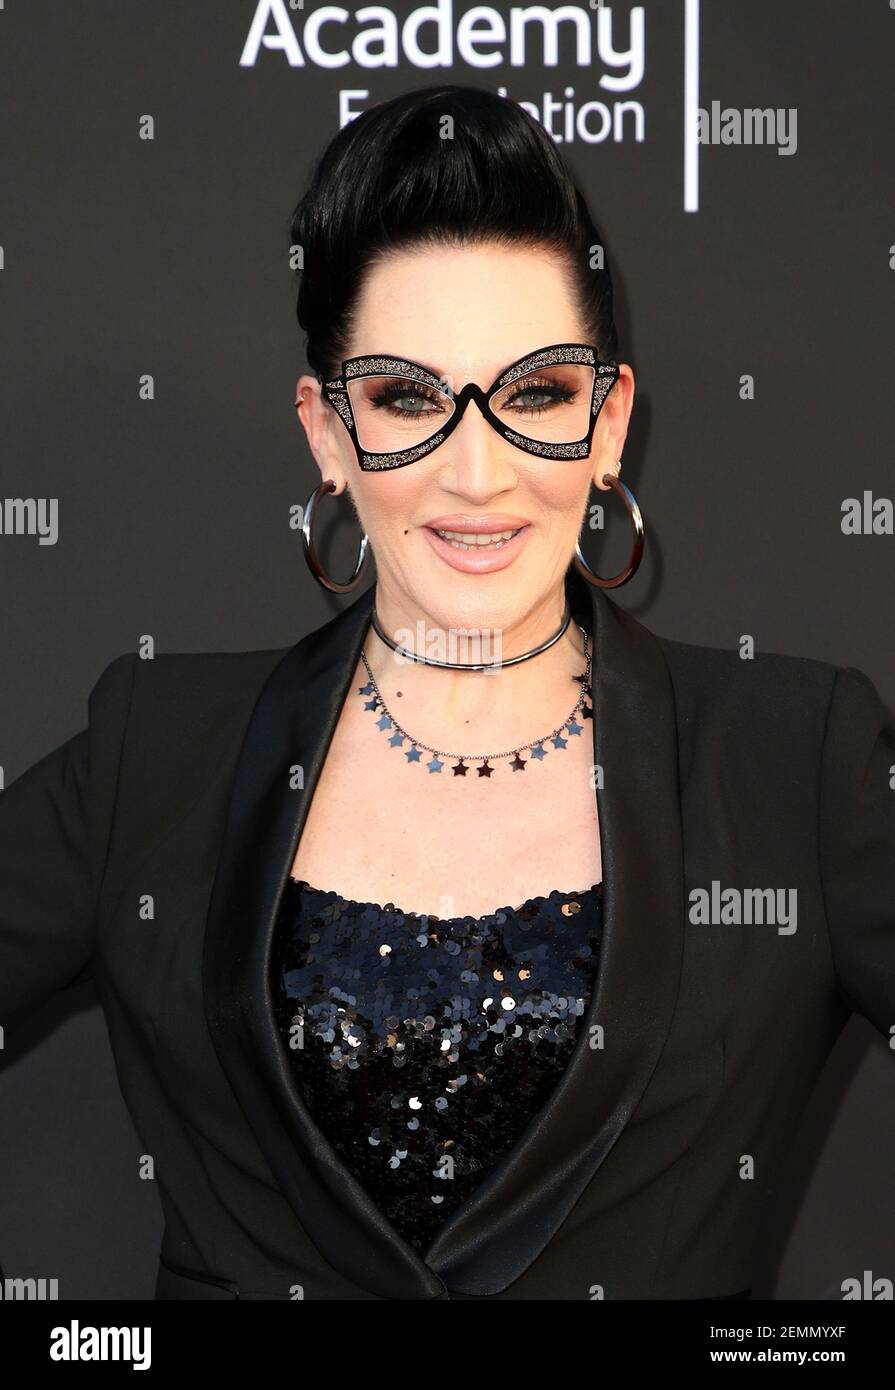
<point>493,1237</point>
<point>291,725</point>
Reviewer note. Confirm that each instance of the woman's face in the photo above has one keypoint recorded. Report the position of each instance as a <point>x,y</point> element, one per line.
<point>467,313</point>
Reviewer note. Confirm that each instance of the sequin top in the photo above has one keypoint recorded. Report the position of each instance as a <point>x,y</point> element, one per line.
<point>423,1046</point>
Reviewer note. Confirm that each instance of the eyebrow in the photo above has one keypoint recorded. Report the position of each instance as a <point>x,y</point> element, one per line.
<point>441,376</point>
<point>405,357</point>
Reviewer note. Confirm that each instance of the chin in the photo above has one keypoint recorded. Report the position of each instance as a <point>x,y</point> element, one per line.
<point>472,607</point>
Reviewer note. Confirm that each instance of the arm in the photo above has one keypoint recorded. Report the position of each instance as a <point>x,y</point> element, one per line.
<point>55,828</point>
<point>857,845</point>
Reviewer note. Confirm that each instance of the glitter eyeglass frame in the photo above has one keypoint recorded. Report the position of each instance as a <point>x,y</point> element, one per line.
<point>336,393</point>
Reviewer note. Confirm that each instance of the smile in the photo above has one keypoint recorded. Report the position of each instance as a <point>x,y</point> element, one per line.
<point>465,541</point>
<point>477,552</point>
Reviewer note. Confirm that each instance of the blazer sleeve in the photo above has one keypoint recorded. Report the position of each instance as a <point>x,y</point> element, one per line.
<point>857,845</point>
<point>55,827</point>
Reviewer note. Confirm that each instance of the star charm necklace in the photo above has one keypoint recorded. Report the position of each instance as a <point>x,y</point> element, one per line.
<point>464,762</point>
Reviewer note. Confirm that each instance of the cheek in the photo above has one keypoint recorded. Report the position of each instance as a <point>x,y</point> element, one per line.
<point>561,491</point>
<point>388,502</point>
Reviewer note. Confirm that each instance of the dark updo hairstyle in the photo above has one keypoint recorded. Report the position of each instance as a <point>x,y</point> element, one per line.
<point>389,181</point>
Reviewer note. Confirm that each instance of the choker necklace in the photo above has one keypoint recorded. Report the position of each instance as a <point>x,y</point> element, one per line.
<point>387,721</point>
<point>468,665</point>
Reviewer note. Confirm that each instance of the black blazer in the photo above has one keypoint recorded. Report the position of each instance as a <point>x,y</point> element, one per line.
<point>153,849</point>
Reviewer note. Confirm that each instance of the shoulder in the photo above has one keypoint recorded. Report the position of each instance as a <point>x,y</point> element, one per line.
<point>200,674</point>
<point>182,692</point>
<point>713,674</point>
<point>169,729</point>
<point>794,708</point>
<point>765,700</point>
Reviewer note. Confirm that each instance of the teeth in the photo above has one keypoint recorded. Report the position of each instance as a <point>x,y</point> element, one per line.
<point>469,540</point>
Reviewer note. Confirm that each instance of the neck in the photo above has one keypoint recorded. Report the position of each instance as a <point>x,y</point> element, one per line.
<point>505,705</point>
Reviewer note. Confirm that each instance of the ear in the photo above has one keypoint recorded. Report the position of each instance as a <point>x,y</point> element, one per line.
<point>325,433</point>
<point>612,428</point>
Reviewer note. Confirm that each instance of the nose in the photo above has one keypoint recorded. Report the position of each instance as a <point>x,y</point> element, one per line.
<point>476,459</point>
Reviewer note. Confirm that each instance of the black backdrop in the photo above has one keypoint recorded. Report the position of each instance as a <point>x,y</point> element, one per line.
<point>755,305</point>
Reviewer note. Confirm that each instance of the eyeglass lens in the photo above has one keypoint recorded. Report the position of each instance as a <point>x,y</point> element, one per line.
<point>549,405</point>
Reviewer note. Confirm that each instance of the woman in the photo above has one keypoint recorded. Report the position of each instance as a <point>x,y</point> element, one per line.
<point>456,981</point>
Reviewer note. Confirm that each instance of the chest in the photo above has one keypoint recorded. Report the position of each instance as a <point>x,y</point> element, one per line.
<point>382,829</point>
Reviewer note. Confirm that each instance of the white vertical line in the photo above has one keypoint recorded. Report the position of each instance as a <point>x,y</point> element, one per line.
<point>691,105</point>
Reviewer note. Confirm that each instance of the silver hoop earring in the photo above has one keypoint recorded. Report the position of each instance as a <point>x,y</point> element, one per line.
<point>310,550</point>
<point>636,516</point>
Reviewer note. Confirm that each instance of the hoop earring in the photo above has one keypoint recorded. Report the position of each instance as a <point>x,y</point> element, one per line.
<point>310,551</point>
<point>636,516</point>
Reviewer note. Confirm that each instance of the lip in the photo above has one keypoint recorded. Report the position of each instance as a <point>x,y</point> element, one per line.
<point>482,560</point>
<point>478,525</point>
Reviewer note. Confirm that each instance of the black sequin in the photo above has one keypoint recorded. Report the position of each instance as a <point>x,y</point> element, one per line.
<point>423,1046</point>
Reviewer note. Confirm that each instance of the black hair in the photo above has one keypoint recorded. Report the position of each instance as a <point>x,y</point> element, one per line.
<point>390,180</point>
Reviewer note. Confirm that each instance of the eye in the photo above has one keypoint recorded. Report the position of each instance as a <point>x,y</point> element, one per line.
<point>406,399</point>
<point>536,397</point>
